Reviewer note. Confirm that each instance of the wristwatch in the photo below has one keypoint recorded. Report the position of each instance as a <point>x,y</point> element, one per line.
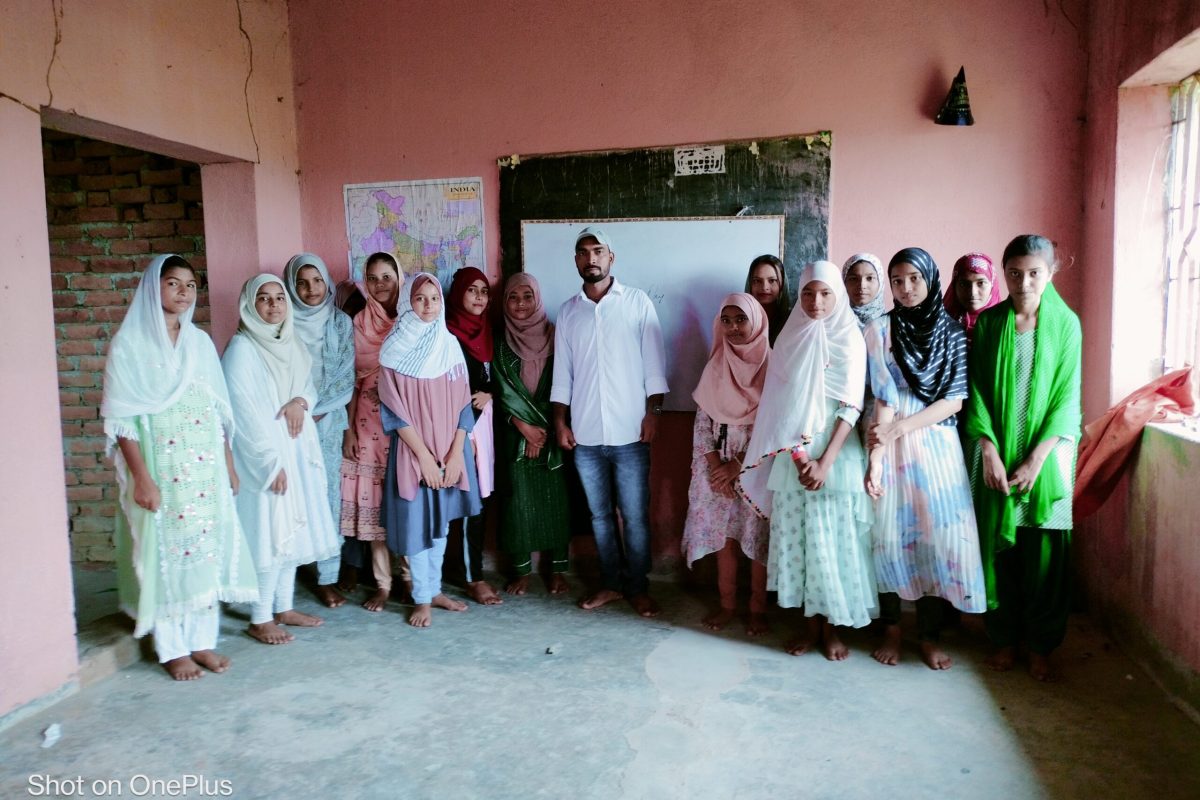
<point>656,410</point>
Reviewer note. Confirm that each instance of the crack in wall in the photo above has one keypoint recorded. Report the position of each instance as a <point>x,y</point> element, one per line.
<point>246,85</point>
<point>21,103</point>
<point>57,8</point>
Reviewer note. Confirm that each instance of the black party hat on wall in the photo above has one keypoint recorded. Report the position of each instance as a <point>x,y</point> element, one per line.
<point>956,110</point>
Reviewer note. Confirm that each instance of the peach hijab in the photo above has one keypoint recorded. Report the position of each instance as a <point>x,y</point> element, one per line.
<point>732,382</point>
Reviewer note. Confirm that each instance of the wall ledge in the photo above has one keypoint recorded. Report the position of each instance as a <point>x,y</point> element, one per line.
<point>38,705</point>
<point>1188,430</point>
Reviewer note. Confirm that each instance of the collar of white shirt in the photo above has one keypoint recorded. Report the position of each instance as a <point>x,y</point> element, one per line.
<point>616,288</point>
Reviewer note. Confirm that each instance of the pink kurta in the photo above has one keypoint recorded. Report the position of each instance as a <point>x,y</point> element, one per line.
<point>362,478</point>
<point>711,517</point>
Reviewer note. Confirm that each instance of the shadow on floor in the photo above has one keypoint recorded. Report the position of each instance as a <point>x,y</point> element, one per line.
<point>367,707</point>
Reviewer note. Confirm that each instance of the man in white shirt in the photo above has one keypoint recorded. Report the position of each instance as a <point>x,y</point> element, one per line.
<point>610,370</point>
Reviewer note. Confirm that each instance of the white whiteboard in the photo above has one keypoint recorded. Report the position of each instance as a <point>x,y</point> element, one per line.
<point>686,265</point>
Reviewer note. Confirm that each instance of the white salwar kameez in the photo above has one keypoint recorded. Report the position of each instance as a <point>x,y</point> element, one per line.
<point>283,530</point>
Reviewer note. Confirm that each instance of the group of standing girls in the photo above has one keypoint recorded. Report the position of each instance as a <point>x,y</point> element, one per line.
<point>955,489</point>
<point>323,438</point>
<point>856,457</point>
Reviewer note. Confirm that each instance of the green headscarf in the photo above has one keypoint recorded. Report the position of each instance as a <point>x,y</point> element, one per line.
<point>515,400</point>
<point>1054,411</point>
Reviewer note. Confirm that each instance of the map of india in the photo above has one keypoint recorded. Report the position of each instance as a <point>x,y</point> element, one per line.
<point>429,226</point>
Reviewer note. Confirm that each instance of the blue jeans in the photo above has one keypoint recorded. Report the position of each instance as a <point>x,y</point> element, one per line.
<point>625,468</point>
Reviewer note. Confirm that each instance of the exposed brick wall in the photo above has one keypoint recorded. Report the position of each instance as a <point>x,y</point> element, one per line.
<point>110,210</point>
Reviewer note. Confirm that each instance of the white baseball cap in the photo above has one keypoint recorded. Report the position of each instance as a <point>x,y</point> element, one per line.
<point>595,233</point>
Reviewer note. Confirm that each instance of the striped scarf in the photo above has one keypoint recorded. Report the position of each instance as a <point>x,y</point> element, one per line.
<point>929,346</point>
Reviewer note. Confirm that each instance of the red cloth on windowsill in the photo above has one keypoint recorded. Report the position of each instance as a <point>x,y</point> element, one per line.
<point>1109,442</point>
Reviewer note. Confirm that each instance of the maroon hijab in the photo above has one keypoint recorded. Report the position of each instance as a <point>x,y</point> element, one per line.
<point>472,330</point>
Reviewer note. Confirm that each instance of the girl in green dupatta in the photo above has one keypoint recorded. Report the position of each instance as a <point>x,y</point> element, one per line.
<point>1023,418</point>
<point>534,515</point>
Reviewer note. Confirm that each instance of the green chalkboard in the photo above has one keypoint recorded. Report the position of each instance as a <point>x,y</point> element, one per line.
<point>788,176</point>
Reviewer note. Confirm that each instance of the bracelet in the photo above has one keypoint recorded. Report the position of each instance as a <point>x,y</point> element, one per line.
<point>799,455</point>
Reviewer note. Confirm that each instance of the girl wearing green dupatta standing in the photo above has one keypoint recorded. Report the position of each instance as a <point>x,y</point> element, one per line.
<point>529,464</point>
<point>1022,420</point>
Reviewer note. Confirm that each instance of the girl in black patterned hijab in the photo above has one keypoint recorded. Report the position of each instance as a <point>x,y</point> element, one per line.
<point>928,344</point>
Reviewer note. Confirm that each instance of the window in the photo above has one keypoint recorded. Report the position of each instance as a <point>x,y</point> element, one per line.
<point>1181,323</point>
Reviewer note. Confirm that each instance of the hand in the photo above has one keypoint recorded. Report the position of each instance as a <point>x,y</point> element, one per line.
<point>454,469</point>
<point>721,477</point>
<point>534,436</point>
<point>293,411</point>
<point>349,444</point>
<point>146,494</point>
<point>279,485</point>
<point>1025,475</point>
<point>532,451</point>
<point>994,474</point>
<point>873,481</point>
<point>566,438</point>
<point>882,434</point>
<point>431,472</point>
<point>813,474</point>
<point>649,428</point>
<point>480,400</point>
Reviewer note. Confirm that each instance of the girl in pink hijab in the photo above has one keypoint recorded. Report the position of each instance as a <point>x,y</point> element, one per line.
<point>972,290</point>
<point>364,444</point>
<point>727,401</point>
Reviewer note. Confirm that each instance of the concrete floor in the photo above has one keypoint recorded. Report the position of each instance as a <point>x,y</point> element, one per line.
<point>366,707</point>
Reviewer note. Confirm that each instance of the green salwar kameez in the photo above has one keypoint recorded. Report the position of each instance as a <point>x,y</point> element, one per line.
<point>534,512</point>
<point>1025,388</point>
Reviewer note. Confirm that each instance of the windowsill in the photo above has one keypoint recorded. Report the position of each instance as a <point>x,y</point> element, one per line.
<point>1188,431</point>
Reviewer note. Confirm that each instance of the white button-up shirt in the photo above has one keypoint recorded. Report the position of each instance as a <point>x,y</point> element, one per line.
<point>608,358</point>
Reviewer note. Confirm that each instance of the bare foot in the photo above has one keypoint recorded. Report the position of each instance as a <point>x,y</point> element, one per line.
<point>211,660</point>
<point>831,645</point>
<point>183,669</point>
<point>600,598</point>
<point>644,605</point>
<point>718,619</point>
<point>934,656</point>
<point>377,601</point>
<point>421,617</point>
<point>347,579</point>
<point>298,619</point>
<point>330,597</point>
<point>757,625</point>
<point>518,586</point>
<point>448,603</point>
<point>269,633</point>
<point>483,593</point>
<point>807,638</point>
<point>889,651</point>
<point>1002,660</point>
<point>558,584</point>
<point>1041,669</point>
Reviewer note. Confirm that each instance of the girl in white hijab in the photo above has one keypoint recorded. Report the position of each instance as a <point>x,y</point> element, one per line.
<point>167,418</point>
<point>804,468</point>
<point>282,505</point>
<point>328,334</point>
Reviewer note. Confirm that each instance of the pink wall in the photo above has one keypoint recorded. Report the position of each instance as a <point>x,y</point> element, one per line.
<point>415,92</point>
<point>552,76</point>
<point>167,77</point>
<point>1137,556</point>
<point>37,644</point>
